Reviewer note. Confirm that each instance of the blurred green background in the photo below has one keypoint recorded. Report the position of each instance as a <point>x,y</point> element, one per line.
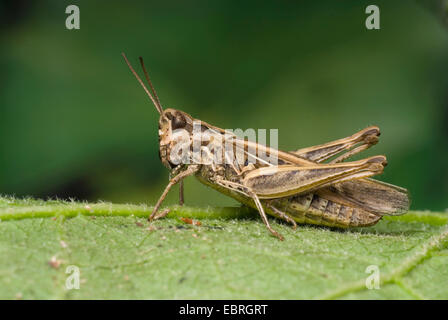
<point>75,123</point>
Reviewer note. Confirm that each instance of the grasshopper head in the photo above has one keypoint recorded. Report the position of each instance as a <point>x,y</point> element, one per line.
<point>170,122</point>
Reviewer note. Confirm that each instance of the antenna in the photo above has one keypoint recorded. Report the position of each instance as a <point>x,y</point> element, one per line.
<point>155,102</point>
<point>149,82</point>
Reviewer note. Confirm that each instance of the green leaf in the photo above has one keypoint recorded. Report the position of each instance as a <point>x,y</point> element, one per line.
<point>229,256</point>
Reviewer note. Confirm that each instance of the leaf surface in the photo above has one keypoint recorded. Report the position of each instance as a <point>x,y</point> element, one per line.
<point>230,255</point>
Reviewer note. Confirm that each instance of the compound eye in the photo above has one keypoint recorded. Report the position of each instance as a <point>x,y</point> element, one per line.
<point>178,122</point>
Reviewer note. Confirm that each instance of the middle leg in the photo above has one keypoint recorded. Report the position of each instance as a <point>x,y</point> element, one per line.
<point>283,216</point>
<point>249,193</point>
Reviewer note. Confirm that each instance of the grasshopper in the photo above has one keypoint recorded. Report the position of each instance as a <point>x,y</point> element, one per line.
<point>312,185</point>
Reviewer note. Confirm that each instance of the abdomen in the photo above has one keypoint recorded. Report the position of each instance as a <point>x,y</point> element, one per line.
<point>311,208</point>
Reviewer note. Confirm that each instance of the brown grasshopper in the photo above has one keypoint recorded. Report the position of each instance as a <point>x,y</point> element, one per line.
<point>299,187</point>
